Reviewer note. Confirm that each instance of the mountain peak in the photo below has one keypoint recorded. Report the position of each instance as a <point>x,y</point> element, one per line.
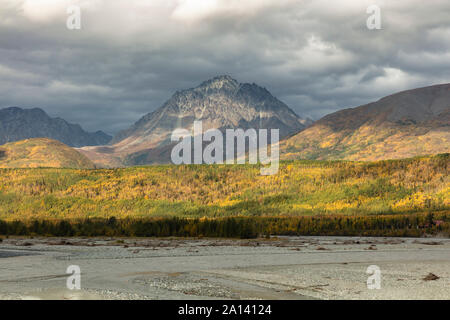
<point>219,83</point>
<point>220,79</point>
<point>220,103</point>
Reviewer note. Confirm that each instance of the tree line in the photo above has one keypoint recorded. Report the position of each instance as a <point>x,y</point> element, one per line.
<point>405,225</point>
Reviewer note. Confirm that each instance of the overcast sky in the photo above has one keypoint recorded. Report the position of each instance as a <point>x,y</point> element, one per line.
<point>130,56</point>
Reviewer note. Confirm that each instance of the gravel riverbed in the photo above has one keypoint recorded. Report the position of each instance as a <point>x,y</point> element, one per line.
<point>276,268</point>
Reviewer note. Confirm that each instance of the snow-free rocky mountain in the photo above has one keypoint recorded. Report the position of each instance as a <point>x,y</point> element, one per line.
<point>19,124</point>
<point>221,103</point>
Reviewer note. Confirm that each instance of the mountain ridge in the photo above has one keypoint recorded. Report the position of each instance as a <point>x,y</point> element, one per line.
<point>18,124</point>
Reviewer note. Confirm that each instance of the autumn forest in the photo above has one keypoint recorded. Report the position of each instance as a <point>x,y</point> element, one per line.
<point>395,197</point>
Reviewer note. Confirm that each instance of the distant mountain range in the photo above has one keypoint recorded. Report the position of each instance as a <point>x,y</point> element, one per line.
<point>18,124</point>
<point>405,124</point>
<point>221,103</point>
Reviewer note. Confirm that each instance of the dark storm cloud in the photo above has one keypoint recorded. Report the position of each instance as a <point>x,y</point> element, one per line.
<point>130,56</point>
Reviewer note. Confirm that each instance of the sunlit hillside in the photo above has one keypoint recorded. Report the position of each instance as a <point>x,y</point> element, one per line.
<point>300,188</point>
<point>406,124</point>
<point>41,152</point>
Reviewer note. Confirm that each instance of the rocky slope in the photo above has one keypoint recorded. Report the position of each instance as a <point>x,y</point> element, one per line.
<point>406,124</point>
<point>18,124</point>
